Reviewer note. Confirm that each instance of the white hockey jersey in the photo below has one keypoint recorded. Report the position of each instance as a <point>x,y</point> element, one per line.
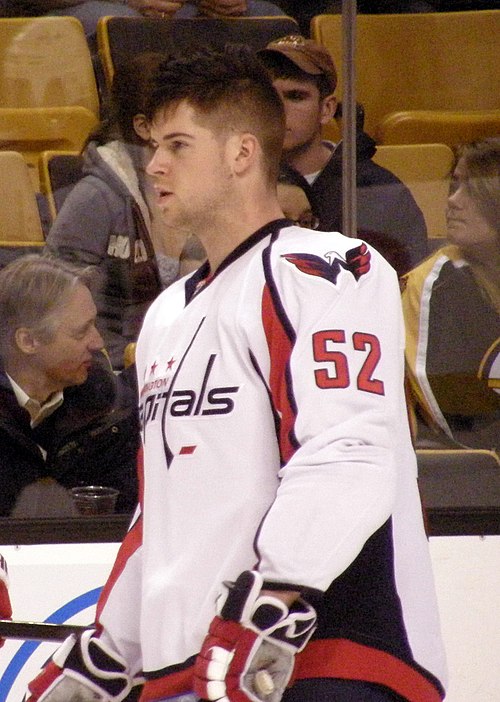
<point>275,437</point>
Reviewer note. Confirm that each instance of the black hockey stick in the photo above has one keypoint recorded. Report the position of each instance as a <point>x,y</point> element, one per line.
<point>41,631</point>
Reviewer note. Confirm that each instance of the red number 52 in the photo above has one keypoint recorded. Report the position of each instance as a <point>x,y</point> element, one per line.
<point>361,341</point>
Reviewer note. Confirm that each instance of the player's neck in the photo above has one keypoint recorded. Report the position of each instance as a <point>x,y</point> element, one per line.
<point>220,241</point>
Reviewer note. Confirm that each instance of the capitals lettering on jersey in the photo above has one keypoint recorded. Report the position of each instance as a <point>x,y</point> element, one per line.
<point>165,394</point>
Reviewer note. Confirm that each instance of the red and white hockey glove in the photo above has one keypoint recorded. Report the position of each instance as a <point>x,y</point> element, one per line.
<point>83,669</point>
<point>5,608</point>
<point>249,652</point>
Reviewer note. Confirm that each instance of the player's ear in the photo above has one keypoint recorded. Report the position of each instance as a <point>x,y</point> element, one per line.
<point>244,151</point>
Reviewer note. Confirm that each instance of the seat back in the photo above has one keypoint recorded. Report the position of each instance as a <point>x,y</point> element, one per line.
<point>19,217</point>
<point>421,61</point>
<point>46,62</point>
<point>33,130</point>
<point>426,170</point>
<point>459,478</point>
<point>58,173</point>
<point>122,37</point>
<point>444,126</point>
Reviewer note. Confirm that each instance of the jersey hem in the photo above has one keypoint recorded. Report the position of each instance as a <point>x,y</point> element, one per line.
<point>335,658</point>
<point>349,660</point>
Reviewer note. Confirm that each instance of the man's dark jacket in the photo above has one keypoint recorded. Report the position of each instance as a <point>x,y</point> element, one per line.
<point>387,215</point>
<point>91,439</point>
<point>29,8</point>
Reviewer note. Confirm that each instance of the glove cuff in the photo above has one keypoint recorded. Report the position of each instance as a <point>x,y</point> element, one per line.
<point>287,627</point>
<point>84,668</point>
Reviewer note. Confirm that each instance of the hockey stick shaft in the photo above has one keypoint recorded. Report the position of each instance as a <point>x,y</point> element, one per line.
<point>42,631</point>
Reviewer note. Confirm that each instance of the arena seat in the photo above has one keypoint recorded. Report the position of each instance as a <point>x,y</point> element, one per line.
<point>426,170</point>
<point>129,354</point>
<point>20,225</point>
<point>120,37</point>
<point>459,478</point>
<point>30,131</point>
<point>48,91</point>
<point>437,62</point>
<point>58,172</point>
<point>447,127</point>
<point>46,62</point>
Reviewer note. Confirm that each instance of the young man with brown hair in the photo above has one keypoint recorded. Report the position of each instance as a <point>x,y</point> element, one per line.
<point>305,76</point>
<point>280,536</point>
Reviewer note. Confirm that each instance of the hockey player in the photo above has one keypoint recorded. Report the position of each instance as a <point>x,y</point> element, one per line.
<point>279,552</point>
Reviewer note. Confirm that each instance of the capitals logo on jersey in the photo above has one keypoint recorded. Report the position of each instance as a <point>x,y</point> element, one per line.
<point>356,261</point>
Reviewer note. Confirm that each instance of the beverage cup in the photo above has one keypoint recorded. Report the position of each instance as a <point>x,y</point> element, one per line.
<point>94,499</point>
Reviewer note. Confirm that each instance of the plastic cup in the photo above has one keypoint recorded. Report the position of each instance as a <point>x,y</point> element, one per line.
<point>94,499</point>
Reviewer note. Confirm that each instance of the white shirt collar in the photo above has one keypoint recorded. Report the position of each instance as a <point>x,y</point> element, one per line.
<point>38,411</point>
<point>311,177</point>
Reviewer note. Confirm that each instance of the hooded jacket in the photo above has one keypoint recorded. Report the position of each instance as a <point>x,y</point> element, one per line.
<point>105,221</point>
<point>387,215</point>
<point>28,8</point>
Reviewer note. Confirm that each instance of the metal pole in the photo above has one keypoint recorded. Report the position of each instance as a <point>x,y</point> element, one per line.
<point>349,219</point>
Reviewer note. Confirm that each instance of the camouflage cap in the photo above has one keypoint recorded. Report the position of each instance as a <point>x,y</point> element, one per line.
<point>308,55</point>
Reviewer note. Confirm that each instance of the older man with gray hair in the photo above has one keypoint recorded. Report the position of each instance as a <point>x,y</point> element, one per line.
<point>65,418</point>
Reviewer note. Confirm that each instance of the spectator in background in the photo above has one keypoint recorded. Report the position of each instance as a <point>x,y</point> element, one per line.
<point>89,11</point>
<point>305,77</point>
<point>452,310</point>
<point>296,198</point>
<point>65,419</point>
<point>229,8</point>
<point>110,219</point>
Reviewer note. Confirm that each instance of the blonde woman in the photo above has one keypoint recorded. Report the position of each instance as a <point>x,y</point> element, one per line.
<point>452,310</point>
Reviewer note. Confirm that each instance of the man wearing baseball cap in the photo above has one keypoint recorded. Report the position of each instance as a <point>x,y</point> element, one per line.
<point>305,76</point>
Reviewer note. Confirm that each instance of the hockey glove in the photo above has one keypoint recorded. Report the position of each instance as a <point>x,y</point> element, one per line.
<point>83,669</point>
<point>5,608</point>
<point>249,652</point>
